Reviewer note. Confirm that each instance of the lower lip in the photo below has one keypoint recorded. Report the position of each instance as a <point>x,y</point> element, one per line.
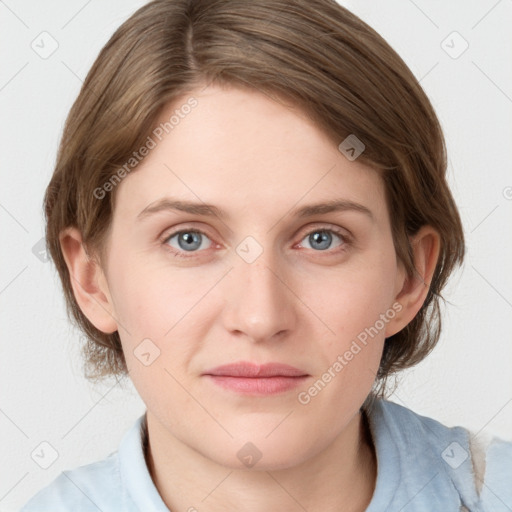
<point>258,385</point>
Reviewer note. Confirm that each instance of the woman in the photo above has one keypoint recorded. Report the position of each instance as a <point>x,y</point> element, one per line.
<point>251,219</point>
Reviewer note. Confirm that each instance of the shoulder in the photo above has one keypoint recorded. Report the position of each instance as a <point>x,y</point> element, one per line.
<point>121,481</point>
<point>91,487</point>
<point>477,466</point>
<point>495,475</point>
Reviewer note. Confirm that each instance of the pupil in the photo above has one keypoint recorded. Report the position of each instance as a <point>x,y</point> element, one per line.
<point>323,238</point>
<point>190,239</point>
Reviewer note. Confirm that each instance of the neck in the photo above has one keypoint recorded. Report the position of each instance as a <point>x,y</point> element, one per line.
<point>344,473</point>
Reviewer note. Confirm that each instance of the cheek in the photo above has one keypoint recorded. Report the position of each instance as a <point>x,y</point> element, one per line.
<point>357,307</point>
<point>150,297</point>
<point>162,314</point>
<point>155,305</point>
<point>354,307</point>
<point>359,293</point>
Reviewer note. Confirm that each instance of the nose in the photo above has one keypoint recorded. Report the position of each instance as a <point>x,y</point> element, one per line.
<point>259,304</point>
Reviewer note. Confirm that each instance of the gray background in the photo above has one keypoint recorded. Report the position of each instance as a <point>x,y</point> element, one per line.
<point>466,381</point>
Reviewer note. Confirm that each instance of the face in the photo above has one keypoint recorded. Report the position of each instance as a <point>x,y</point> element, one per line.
<point>263,280</point>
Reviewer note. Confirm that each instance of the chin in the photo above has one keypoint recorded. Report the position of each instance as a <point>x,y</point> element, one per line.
<point>257,452</point>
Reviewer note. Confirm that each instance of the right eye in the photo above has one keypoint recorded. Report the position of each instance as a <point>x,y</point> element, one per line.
<point>186,240</point>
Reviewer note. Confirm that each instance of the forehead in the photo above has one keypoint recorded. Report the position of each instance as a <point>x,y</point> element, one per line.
<point>245,152</point>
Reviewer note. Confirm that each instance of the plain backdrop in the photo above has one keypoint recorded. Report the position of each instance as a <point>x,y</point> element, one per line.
<point>467,380</point>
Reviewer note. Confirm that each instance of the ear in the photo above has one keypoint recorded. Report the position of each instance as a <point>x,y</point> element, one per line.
<point>88,281</point>
<point>412,290</point>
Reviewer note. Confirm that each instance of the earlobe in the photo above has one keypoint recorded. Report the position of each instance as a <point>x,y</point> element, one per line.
<point>88,282</point>
<point>426,248</point>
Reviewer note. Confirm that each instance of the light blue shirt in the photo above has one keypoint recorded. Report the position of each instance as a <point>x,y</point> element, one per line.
<point>423,466</point>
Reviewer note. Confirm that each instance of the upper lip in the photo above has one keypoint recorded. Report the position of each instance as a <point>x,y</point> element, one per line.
<point>246,369</point>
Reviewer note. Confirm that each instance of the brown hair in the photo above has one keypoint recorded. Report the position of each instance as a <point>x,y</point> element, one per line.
<point>316,53</point>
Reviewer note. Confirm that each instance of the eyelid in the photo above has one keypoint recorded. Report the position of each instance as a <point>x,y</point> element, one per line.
<point>323,226</point>
<point>187,229</point>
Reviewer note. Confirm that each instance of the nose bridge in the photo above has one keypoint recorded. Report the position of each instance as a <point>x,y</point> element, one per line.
<point>259,303</point>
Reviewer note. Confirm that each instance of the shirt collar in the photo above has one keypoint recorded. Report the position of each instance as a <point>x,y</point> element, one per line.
<point>135,477</point>
<point>389,471</point>
<point>140,489</point>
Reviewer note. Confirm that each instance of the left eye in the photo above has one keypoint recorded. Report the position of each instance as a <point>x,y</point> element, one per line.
<point>321,239</point>
<point>188,240</point>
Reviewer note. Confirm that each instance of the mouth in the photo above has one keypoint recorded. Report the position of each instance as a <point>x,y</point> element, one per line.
<point>254,379</point>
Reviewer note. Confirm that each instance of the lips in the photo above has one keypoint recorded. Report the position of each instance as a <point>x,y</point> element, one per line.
<point>245,369</point>
<point>244,378</point>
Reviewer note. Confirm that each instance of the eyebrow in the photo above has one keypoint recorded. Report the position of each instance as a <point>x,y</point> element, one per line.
<point>209,210</point>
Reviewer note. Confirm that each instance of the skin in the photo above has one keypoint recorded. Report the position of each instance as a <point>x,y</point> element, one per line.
<point>258,160</point>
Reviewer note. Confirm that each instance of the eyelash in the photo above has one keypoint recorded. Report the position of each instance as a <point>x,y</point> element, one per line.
<point>346,239</point>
